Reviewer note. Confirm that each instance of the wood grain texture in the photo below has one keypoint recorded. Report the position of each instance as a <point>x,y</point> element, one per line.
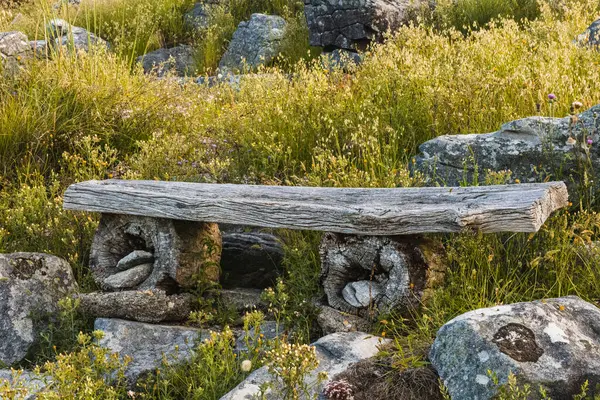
<point>398,211</point>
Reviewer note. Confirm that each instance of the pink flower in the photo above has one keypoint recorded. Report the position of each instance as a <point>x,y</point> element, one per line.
<point>551,97</point>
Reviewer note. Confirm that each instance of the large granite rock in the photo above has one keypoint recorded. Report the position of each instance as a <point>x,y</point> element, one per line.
<point>354,24</point>
<point>554,343</point>
<point>335,353</point>
<point>64,35</point>
<point>534,149</point>
<point>591,36</point>
<point>14,49</point>
<point>254,43</point>
<point>138,305</point>
<point>178,60</point>
<point>31,285</point>
<point>146,344</point>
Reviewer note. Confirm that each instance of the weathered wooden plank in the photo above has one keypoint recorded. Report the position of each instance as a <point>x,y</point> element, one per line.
<point>398,211</point>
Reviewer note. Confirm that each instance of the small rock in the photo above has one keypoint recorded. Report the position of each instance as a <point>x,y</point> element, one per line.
<point>28,380</point>
<point>554,343</point>
<point>144,306</point>
<point>179,60</point>
<point>361,294</point>
<point>134,259</point>
<point>130,278</point>
<point>31,284</point>
<point>14,49</point>
<point>331,320</point>
<point>335,353</point>
<point>198,18</point>
<point>39,48</point>
<point>591,36</point>
<point>255,42</point>
<point>146,344</point>
<point>339,58</point>
<point>241,299</point>
<point>65,35</point>
<point>269,330</point>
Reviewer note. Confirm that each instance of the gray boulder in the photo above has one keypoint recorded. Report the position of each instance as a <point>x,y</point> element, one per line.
<point>254,43</point>
<point>340,59</point>
<point>178,60</point>
<point>64,35</point>
<point>31,285</point>
<point>335,353</point>
<point>198,18</point>
<point>533,149</point>
<point>14,49</point>
<point>554,343</point>
<point>28,381</point>
<point>135,258</point>
<point>354,24</point>
<point>591,36</point>
<point>147,344</point>
<point>138,305</point>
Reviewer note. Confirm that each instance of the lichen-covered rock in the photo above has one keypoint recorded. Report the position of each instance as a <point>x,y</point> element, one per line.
<point>31,284</point>
<point>363,275</point>
<point>64,35</point>
<point>184,252</point>
<point>178,60</point>
<point>146,344</point>
<point>591,36</point>
<point>335,353</point>
<point>255,42</point>
<point>14,49</point>
<point>353,24</point>
<point>138,305</point>
<point>554,343</point>
<point>533,149</point>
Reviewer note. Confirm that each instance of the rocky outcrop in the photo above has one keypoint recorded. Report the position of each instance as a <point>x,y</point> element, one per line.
<point>14,49</point>
<point>335,353</point>
<point>533,149</point>
<point>591,36</point>
<point>254,43</point>
<point>64,35</point>
<point>147,344</point>
<point>31,284</point>
<point>138,305</point>
<point>184,253</point>
<point>354,24</point>
<point>177,60</point>
<point>364,275</point>
<point>554,343</point>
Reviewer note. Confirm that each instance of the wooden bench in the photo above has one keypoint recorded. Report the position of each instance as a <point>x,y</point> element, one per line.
<point>365,227</point>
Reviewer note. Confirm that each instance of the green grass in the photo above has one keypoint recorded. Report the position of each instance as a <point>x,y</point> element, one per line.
<point>75,118</point>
